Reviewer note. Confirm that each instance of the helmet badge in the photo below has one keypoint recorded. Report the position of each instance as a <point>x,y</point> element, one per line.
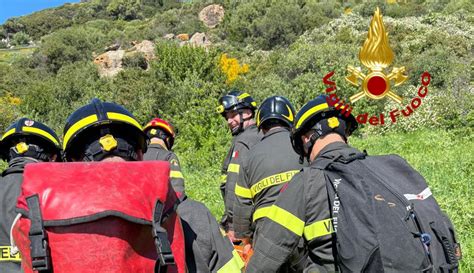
<point>29,122</point>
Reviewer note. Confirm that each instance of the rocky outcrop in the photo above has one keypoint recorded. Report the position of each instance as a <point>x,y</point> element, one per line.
<point>146,47</point>
<point>212,15</point>
<point>199,39</point>
<point>183,37</point>
<point>110,63</point>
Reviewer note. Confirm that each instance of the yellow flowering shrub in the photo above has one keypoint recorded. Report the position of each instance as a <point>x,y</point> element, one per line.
<point>8,109</point>
<point>232,68</point>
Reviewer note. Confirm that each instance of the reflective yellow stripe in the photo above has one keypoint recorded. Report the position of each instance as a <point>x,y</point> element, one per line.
<point>242,192</point>
<point>41,133</point>
<point>176,174</point>
<point>223,178</point>
<point>286,219</point>
<point>77,126</point>
<point>318,229</point>
<point>6,257</point>
<point>233,168</point>
<point>310,112</point>
<point>124,118</point>
<point>272,180</point>
<point>261,212</point>
<point>9,132</point>
<point>243,96</point>
<point>234,265</point>
<point>222,232</point>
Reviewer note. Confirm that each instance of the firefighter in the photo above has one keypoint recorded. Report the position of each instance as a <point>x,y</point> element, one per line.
<point>269,166</point>
<point>162,135</point>
<point>238,109</point>
<point>302,209</point>
<point>25,141</point>
<point>207,250</point>
<point>102,131</point>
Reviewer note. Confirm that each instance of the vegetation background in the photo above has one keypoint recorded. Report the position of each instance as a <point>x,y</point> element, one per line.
<point>265,48</point>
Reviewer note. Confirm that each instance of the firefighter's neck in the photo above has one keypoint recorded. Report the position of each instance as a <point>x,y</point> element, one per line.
<point>113,159</point>
<point>248,123</point>
<point>323,142</point>
<point>265,131</point>
<point>156,140</point>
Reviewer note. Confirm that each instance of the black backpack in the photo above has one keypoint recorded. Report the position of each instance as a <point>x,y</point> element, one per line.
<point>385,217</point>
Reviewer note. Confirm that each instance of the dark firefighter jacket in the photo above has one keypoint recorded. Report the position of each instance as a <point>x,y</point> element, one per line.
<point>241,144</point>
<point>302,210</point>
<point>207,249</point>
<point>10,188</point>
<point>158,152</point>
<point>269,166</point>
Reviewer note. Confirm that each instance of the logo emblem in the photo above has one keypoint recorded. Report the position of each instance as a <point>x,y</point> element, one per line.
<point>29,122</point>
<point>290,114</point>
<point>376,55</point>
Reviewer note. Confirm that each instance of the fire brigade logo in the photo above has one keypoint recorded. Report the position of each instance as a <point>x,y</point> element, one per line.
<point>376,55</point>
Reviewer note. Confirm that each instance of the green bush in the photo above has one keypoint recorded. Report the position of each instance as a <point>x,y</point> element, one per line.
<point>20,38</point>
<point>69,45</point>
<point>135,60</point>
<point>177,21</point>
<point>124,9</point>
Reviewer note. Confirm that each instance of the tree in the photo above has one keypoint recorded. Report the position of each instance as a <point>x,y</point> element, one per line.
<point>125,9</point>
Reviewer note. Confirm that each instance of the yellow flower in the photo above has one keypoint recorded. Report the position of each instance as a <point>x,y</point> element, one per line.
<point>15,100</point>
<point>231,68</point>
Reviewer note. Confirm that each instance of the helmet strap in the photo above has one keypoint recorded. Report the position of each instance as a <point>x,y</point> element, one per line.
<point>95,151</point>
<point>33,151</point>
<point>308,146</point>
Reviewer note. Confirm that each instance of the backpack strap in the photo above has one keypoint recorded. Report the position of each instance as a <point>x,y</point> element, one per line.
<point>40,254</point>
<point>448,248</point>
<point>324,162</point>
<point>163,247</point>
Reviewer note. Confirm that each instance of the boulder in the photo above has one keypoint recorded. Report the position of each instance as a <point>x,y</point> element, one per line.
<point>169,36</point>
<point>199,39</point>
<point>146,47</point>
<point>109,63</point>
<point>212,15</point>
<point>183,37</point>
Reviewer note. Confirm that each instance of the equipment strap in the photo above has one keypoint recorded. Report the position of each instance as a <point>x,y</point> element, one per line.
<point>163,247</point>
<point>40,253</point>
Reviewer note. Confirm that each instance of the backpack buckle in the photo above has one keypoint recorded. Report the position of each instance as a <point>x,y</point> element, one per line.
<point>40,257</point>
<point>165,256</point>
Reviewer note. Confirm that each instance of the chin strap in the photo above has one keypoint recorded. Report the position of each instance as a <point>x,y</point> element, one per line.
<point>241,123</point>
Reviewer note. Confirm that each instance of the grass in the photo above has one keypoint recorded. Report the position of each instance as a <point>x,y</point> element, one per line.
<point>445,159</point>
<point>7,56</point>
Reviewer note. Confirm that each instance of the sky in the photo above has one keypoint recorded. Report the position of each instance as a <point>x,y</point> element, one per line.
<point>11,8</point>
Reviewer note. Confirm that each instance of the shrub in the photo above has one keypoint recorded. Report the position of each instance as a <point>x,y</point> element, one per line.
<point>20,38</point>
<point>135,60</point>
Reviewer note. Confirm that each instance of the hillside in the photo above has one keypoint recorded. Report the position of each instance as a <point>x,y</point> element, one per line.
<point>263,47</point>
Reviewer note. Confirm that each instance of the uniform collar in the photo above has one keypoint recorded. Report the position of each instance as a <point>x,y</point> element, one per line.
<point>336,146</point>
<point>18,164</point>
<point>275,131</point>
<point>157,146</point>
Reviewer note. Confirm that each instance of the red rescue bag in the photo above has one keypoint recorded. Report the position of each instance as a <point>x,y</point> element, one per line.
<point>99,217</point>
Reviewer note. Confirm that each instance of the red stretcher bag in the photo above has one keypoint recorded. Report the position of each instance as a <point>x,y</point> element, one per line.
<point>99,217</point>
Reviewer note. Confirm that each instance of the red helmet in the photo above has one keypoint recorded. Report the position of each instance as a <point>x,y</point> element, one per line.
<point>160,128</point>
